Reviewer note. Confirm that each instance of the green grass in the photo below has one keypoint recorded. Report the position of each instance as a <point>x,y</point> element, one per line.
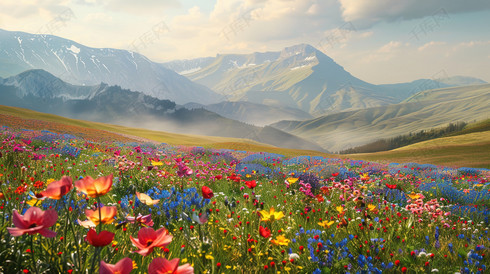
<point>474,127</point>
<point>158,136</point>
<point>339,131</point>
<point>469,150</point>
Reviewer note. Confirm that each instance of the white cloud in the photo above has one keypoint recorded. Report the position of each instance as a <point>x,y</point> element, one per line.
<point>390,47</point>
<point>397,62</point>
<point>366,13</point>
<point>98,17</point>
<point>431,45</point>
<point>147,7</point>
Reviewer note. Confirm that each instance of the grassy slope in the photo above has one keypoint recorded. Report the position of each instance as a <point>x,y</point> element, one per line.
<point>349,129</point>
<point>158,136</point>
<point>470,150</point>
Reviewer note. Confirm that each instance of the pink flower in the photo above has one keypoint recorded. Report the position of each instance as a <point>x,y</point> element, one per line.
<point>144,220</point>
<point>34,221</point>
<point>124,266</point>
<point>149,239</point>
<point>162,266</point>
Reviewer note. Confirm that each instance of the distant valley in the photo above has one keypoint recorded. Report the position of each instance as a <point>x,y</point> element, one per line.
<point>297,97</point>
<point>39,90</point>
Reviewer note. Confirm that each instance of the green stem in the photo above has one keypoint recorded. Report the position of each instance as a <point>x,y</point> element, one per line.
<point>96,255</point>
<point>70,224</point>
<point>99,227</point>
<point>34,264</point>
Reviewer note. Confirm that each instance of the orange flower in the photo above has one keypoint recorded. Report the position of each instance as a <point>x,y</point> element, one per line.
<point>86,224</point>
<point>58,189</point>
<point>145,199</point>
<point>95,188</point>
<point>107,214</point>
<point>2,196</point>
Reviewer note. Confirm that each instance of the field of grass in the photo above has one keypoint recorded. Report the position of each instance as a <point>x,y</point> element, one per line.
<point>32,120</point>
<point>339,131</point>
<point>470,150</point>
<point>71,204</point>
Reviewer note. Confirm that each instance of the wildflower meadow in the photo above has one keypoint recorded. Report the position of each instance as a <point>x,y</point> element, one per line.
<point>71,204</point>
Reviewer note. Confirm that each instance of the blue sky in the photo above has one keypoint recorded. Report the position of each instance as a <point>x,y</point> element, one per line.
<point>379,41</point>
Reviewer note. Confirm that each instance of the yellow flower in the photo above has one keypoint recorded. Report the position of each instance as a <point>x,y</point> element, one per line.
<point>372,207</point>
<point>292,180</point>
<point>156,163</point>
<point>280,240</point>
<point>414,196</point>
<point>326,224</point>
<point>33,201</point>
<point>135,266</point>
<point>271,215</point>
<point>365,176</point>
<point>48,181</point>
<point>340,209</point>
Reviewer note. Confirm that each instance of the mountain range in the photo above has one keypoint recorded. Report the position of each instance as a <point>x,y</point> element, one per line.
<point>41,91</point>
<point>82,65</point>
<point>300,77</point>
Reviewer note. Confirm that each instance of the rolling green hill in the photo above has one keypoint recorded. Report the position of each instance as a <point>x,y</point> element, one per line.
<point>471,150</point>
<point>29,119</point>
<point>425,110</point>
<point>468,150</point>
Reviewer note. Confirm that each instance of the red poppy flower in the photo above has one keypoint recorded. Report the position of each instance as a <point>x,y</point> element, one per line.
<point>58,189</point>
<point>391,186</point>
<point>102,239</point>
<point>149,239</point>
<point>207,193</point>
<point>33,221</point>
<point>162,266</point>
<point>264,232</point>
<point>251,184</point>
<point>124,266</point>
